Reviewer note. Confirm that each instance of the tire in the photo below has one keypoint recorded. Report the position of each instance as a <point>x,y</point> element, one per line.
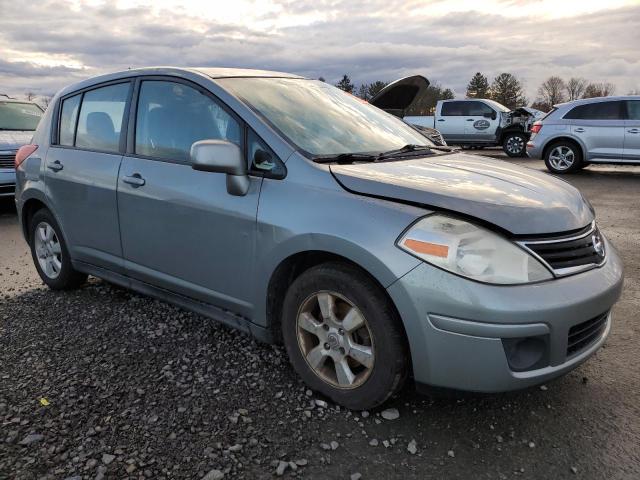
<point>515,144</point>
<point>563,157</point>
<point>55,268</point>
<point>353,292</point>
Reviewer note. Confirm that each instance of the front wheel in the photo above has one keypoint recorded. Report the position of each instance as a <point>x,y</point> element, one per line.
<point>343,336</point>
<point>515,144</point>
<point>563,157</point>
<point>50,254</point>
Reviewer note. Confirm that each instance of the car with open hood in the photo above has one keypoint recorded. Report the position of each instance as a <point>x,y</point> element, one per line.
<point>299,214</point>
<point>18,121</point>
<point>472,122</point>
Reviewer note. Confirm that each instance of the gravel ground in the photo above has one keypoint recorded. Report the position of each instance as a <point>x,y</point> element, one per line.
<point>104,383</point>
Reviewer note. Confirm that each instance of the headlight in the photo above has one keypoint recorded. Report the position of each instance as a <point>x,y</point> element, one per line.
<point>471,251</point>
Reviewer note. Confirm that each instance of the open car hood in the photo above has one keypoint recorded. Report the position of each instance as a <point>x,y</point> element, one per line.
<point>398,96</point>
<point>519,200</point>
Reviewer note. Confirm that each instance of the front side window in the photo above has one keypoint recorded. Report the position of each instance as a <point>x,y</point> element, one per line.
<point>479,109</point>
<point>453,109</point>
<point>596,111</point>
<point>321,119</point>
<point>633,109</point>
<point>68,118</point>
<point>172,116</point>
<point>19,116</point>
<point>100,119</point>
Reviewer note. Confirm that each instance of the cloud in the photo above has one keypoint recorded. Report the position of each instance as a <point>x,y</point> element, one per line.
<point>50,44</point>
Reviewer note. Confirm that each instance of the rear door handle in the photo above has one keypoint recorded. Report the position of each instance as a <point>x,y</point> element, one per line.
<point>441,119</point>
<point>579,130</point>
<point>55,166</point>
<point>136,180</point>
<point>633,130</point>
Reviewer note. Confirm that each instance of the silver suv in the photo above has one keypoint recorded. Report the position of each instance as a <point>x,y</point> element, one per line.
<point>291,210</point>
<point>594,130</point>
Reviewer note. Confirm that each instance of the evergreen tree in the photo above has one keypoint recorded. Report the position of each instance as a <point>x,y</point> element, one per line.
<point>478,87</point>
<point>507,90</point>
<point>345,84</point>
<point>375,87</point>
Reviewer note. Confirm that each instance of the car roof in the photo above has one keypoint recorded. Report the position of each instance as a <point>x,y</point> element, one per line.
<point>583,101</point>
<point>214,73</point>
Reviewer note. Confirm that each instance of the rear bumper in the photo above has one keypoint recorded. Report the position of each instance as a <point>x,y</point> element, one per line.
<point>459,330</point>
<point>535,148</point>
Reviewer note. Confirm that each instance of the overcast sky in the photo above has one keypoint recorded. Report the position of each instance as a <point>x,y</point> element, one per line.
<point>45,45</point>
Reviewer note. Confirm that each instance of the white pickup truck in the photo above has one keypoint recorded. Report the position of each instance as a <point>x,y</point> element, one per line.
<point>481,123</point>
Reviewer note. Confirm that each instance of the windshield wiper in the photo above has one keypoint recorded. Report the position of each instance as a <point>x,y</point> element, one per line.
<point>347,158</point>
<point>411,148</point>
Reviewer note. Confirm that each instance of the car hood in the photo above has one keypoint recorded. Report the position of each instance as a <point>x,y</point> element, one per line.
<point>11,140</point>
<point>519,200</point>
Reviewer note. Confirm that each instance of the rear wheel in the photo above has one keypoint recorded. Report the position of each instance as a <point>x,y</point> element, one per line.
<point>515,144</point>
<point>50,254</point>
<point>563,157</point>
<point>343,336</point>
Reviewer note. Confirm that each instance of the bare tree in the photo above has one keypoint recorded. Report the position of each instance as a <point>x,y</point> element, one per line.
<point>46,100</point>
<point>552,91</point>
<point>575,87</point>
<point>634,91</point>
<point>30,96</point>
<point>603,89</point>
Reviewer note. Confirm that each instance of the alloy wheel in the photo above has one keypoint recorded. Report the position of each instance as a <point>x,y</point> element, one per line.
<point>48,250</point>
<point>515,145</point>
<point>561,157</point>
<point>335,340</point>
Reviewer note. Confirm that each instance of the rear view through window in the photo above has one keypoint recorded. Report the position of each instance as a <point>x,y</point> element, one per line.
<point>19,116</point>
<point>596,111</point>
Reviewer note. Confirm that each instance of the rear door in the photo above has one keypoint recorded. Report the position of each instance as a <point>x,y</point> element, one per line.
<point>451,120</point>
<point>601,128</point>
<point>481,122</point>
<point>632,132</point>
<point>181,230</point>
<point>82,172</point>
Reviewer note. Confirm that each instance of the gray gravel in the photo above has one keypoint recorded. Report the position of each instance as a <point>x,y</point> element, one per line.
<point>101,383</point>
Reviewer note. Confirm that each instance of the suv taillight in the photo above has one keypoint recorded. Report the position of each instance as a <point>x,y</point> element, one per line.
<point>23,152</point>
<point>536,127</point>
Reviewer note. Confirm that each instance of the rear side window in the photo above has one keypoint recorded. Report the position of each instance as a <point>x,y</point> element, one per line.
<point>596,111</point>
<point>633,109</point>
<point>68,118</point>
<point>478,109</point>
<point>172,116</point>
<point>100,119</point>
<point>454,109</point>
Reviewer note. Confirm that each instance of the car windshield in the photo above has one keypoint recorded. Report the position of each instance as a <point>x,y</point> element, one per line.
<point>322,120</point>
<point>19,116</point>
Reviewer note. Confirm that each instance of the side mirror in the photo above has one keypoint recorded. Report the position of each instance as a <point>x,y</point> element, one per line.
<point>222,157</point>
<point>491,115</point>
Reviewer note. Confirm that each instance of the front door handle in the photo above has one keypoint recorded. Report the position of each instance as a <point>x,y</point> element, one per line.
<point>441,119</point>
<point>579,130</point>
<point>633,130</point>
<point>136,180</point>
<point>55,166</point>
<point>469,119</point>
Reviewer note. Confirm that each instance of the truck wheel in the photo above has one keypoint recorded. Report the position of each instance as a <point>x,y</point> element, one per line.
<point>563,157</point>
<point>50,254</point>
<point>515,144</point>
<point>343,336</point>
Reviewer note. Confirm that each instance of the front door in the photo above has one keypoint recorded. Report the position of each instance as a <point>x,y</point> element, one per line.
<point>481,122</point>
<point>180,228</point>
<point>82,173</point>
<point>632,132</point>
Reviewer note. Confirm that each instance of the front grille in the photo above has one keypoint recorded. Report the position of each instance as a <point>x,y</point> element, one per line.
<point>586,333</point>
<point>572,254</point>
<point>7,161</point>
<point>7,190</point>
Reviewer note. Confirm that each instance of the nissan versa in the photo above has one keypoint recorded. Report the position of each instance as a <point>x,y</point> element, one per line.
<point>289,209</point>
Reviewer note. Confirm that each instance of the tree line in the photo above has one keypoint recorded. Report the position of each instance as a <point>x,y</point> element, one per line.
<point>505,88</point>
